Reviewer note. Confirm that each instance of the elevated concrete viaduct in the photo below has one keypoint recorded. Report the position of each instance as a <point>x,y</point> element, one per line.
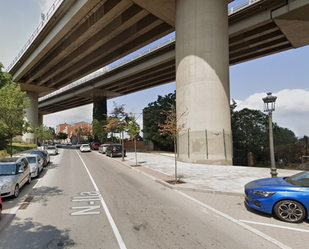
<point>84,36</point>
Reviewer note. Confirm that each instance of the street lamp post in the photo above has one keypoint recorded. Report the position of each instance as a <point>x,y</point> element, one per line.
<point>269,106</point>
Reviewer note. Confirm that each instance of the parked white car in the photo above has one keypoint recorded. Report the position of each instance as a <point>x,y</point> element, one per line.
<point>14,173</point>
<point>36,164</point>
<point>52,150</point>
<point>84,148</point>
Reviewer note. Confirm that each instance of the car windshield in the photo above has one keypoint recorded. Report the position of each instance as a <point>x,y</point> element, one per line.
<point>85,145</point>
<point>7,169</point>
<point>301,179</point>
<point>31,159</point>
<point>51,147</point>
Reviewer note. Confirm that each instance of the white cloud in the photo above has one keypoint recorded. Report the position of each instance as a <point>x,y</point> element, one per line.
<point>292,106</point>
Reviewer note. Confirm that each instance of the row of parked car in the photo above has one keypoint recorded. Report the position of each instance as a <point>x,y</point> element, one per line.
<point>108,149</point>
<point>18,170</point>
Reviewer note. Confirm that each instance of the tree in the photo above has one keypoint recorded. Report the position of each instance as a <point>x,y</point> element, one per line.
<point>116,122</point>
<point>133,130</point>
<point>250,134</point>
<point>5,78</point>
<point>98,129</point>
<point>12,115</point>
<point>52,133</point>
<point>172,126</point>
<point>78,133</point>
<point>44,133</point>
<point>62,136</point>
<point>153,118</point>
<point>35,130</point>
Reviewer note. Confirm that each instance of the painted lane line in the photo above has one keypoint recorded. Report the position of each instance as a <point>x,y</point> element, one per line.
<point>257,232</point>
<point>108,214</point>
<point>277,226</point>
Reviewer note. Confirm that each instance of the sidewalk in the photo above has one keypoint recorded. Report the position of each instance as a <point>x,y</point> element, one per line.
<point>198,177</point>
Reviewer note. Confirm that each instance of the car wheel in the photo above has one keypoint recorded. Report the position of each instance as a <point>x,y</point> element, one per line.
<point>29,179</point>
<point>290,211</point>
<point>0,212</point>
<point>37,172</point>
<point>16,191</point>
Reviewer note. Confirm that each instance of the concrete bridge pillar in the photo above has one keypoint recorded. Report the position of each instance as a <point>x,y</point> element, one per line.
<point>31,115</point>
<point>99,108</point>
<point>40,119</point>
<point>202,81</point>
<point>98,113</point>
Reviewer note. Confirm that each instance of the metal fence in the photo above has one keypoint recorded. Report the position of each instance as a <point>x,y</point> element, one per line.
<point>205,145</point>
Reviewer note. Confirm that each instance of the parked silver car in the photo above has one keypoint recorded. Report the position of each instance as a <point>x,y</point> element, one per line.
<point>44,154</point>
<point>14,173</point>
<point>36,163</point>
<point>102,148</point>
<point>84,148</point>
<point>52,150</point>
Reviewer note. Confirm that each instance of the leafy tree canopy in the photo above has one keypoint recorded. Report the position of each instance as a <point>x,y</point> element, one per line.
<point>117,120</point>
<point>132,126</point>
<point>250,130</point>
<point>153,118</point>
<point>98,129</point>
<point>62,135</point>
<point>5,78</point>
<point>12,111</point>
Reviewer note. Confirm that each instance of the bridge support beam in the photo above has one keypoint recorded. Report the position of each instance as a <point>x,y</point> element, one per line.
<point>202,81</point>
<point>32,114</point>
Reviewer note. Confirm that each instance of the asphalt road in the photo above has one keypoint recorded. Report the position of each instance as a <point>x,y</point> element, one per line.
<point>86,200</point>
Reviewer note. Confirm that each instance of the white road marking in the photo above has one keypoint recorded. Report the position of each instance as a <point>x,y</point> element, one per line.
<point>271,225</point>
<point>108,214</point>
<point>274,241</point>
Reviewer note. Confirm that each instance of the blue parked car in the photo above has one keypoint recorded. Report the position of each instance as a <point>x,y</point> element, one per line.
<point>286,197</point>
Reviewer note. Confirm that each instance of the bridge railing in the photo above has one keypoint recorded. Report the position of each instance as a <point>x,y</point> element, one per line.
<point>45,18</point>
<point>233,8</point>
<point>239,5</point>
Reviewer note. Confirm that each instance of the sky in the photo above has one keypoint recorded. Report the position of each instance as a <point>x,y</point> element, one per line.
<point>285,74</point>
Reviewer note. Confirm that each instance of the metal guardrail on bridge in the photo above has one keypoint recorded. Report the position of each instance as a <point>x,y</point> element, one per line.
<point>45,18</point>
<point>233,8</point>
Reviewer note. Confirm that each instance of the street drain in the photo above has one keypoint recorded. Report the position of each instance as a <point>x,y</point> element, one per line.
<point>26,203</point>
<point>29,198</point>
<point>23,206</point>
<point>62,243</point>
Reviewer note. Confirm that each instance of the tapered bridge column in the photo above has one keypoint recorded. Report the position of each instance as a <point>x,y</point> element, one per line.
<point>202,81</point>
<point>31,115</point>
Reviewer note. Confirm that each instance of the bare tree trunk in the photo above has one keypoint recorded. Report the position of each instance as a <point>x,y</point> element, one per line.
<point>122,135</point>
<point>135,152</point>
<point>175,152</point>
<point>11,145</point>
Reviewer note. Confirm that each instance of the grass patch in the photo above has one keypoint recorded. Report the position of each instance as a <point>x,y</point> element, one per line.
<point>17,148</point>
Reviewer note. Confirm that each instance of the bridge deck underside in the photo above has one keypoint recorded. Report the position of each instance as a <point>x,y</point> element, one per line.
<point>104,31</point>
